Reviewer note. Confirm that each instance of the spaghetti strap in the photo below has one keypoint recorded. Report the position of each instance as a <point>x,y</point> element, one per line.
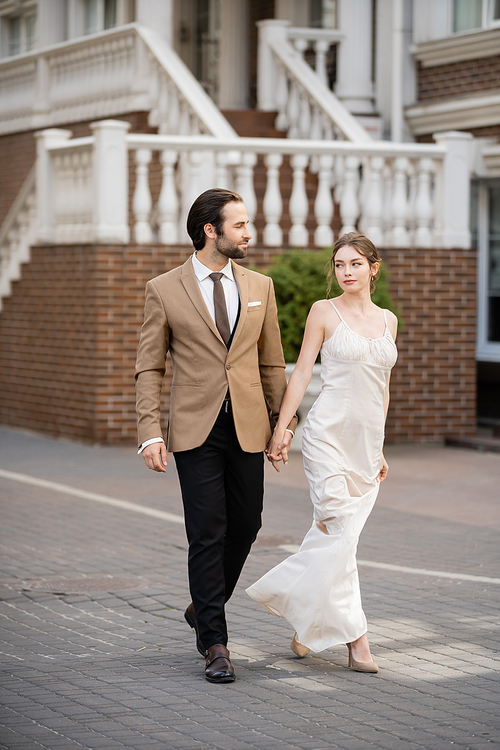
<point>385,316</point>
<point>333,305</point>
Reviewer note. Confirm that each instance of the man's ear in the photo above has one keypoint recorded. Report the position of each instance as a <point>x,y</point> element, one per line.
<point>209,230</point>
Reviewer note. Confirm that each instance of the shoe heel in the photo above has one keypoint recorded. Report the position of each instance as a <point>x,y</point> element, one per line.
<point>298,648</point>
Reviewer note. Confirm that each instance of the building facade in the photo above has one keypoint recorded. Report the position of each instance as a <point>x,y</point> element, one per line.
<point>327,115</point>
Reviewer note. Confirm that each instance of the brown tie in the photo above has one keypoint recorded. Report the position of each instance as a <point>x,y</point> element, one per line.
<point>221,319</point>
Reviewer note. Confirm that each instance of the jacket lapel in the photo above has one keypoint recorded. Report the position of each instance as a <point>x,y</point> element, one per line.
<point>241,278</point>
<point>190,282</point>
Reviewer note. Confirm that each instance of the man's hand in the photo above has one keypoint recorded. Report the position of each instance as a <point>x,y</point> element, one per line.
<point>155,456</point>
<point>384,468</point>
<point>277,450</point>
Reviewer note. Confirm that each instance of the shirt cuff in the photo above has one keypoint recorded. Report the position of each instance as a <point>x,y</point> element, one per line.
<point>292,433</point>
<point>150,442</point>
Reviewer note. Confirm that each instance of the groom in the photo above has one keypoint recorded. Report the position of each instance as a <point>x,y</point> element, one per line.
<point>219,323</point>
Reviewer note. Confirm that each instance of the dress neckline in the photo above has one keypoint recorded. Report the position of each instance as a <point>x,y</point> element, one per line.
<point>367,338</point>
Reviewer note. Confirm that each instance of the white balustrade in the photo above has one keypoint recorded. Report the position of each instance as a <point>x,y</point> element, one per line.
<point>299,208</point>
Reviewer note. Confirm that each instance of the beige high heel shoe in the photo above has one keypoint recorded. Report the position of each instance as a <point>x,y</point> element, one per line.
<point>361,666</point>
<point>298,648</point>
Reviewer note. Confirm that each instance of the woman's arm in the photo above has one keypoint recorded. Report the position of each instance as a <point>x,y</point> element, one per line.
<point>313,338</point>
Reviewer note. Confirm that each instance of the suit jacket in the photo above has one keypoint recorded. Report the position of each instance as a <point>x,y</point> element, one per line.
<point>176,320</point>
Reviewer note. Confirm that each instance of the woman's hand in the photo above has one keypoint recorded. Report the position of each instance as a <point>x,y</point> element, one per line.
<point>384,468</point>
<point>277,449</point>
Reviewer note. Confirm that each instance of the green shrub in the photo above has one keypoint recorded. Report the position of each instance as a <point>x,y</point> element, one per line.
<point>300,280</point>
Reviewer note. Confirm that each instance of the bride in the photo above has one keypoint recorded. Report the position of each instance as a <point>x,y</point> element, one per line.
<point>317,589</point>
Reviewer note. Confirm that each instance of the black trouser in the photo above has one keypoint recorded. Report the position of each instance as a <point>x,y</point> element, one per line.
<point>222,491</point>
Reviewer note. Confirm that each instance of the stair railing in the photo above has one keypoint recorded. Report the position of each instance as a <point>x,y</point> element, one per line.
<point>306,107</point>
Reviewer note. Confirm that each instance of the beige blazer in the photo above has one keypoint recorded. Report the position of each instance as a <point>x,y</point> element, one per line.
<point>176,320</point>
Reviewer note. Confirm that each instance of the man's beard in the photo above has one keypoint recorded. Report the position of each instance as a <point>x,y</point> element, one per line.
<point>226,248</point>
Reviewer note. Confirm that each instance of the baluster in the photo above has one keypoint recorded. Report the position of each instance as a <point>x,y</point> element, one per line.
<point>323,205</point>
<point>168,202</point>
<point>305,116</point>
<point>281,121</point>
<point>338,177</point>
<point>245,187</point>
<point>194,125</point>
<point>411,216</point>
<point>301,45</point>
<point>299,207</point>
<point>423,204</point>
<point>328,130</point>
<point>349,205</point>
<point>315,135</point>
<point>363,192</point>
<point>400,236</point>
<point>373,205</point>
<point>221,174</point>
<point>292,111</point>
<point>387,205</point>
<point>321,48</point>
<point>273,205</point>
<point>141,204</point>
<point>173,111</point>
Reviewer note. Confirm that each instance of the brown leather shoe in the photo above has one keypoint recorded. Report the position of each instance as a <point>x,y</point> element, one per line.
<point>219,667</point>
<point>191,620</point>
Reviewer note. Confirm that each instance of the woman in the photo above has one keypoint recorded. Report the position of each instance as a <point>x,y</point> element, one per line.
<point>317,589</point>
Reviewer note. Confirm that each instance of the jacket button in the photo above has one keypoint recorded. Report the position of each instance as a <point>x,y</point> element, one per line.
<point>228,367</point>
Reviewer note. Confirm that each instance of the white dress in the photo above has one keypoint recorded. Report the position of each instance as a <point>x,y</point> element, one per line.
<point>317,589</point>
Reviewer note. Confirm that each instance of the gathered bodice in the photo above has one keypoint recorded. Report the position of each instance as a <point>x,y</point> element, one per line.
<point>345,345</point>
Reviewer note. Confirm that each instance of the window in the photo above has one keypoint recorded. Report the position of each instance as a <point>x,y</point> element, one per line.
<point>99,15</point>
<point>467,15</point>
<point>493,326</point>
<point>21,31</point>
<point>323,14</point>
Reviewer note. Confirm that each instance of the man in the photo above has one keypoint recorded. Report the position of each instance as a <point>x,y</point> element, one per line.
<point>219,323</point>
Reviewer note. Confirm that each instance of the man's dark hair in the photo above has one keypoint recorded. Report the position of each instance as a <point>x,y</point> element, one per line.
<point>208,208</point>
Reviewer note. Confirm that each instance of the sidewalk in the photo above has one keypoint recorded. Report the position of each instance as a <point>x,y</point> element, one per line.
<point>107,661</point>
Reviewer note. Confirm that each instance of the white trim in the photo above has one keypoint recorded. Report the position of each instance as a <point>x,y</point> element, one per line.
<point>461,46</point>
<point>491,159</point>
<point>457,114</point>
<point>486,351</point>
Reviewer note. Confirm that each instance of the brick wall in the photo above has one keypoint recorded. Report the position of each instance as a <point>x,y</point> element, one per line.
<point>69,332</point>
<point>433,386</point>
<point>458,78</point>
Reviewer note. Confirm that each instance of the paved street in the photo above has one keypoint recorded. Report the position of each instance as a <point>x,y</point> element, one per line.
<point>96,654</point>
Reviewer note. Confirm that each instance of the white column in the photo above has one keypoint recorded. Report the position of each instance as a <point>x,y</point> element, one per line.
<point>354,56</point>
<point>275,31</point>
<point>454,195</point>
<point>110,161</point>
<point>45,181</point>
<point>50,22</point>
<point>397,72</point>
<point>400,237</point>
<point>233,64</point>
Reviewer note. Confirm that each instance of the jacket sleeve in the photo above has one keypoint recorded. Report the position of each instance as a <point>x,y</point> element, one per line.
<point>150,365</point>
<point>271,360</point>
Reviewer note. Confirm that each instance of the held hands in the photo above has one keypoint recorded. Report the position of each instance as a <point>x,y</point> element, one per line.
<point>384,468</point>
<point>277,449</point>
<point>155,456</point>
